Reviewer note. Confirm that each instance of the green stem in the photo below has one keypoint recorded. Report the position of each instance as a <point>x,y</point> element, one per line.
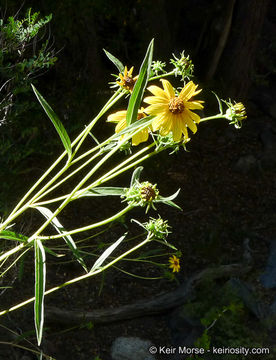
<point>27,349</point>
<point>218,116</point>
<point>161,76</point>
<point>82,182</point>
<point>118,94</point>
<point>70,196</point>
<point>72,281</point>
<point>119,169</point>
<point>68,176</point>
<point>109,175</point>
<point>88,227</point>
<point>80,138</point>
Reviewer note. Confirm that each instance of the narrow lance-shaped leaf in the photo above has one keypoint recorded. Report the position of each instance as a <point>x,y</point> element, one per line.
<point>56,121</point>
<point>60,229</point>
<point>141,124</point>
<point>104,191</point>
<point>139,87</point>
<point>106,253</point>
<point>219,103</point>
<point>10,235</point>
<point>115,61</point>
<point>136,175</point>
<point>40,279</point>
<point>168,200</point>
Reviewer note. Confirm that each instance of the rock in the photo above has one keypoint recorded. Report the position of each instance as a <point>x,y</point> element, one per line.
<point>268,279</point>
<point>246,163</point>
<point>131,348</point>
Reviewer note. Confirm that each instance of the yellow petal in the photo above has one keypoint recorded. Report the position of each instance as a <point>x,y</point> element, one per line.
<point>189,121</point>
<point>156,100</point>
<point>168,88</point>
<point>156,109</point>
<point>166,125</point>
<point>118,116</point>
<point>177,129</point>
<point>120,126</point>
<point>193,116</point>
<point>193,105</point>
<point>188,91</point>
<point>141,136</point>
<point>157,122</point>
<point>157,91</point>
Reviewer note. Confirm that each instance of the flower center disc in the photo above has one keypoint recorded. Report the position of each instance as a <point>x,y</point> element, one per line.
<point>176,105</point>
<point>129,82</point>
<point>148,193</point>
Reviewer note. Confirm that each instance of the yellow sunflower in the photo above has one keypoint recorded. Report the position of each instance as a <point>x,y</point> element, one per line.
<point>173,113</point>
<point>174,263</point>
<point>120,118</point>
<point>127,81</point>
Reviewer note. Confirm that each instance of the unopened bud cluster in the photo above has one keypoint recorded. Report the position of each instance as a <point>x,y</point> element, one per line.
<point>235,113</point>
<point>158,67</point>
<point>183,66</point>
<point>158,228</point>
<point>141,194</point>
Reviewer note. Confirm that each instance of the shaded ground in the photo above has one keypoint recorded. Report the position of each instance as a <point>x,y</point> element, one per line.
<point>228,195</point>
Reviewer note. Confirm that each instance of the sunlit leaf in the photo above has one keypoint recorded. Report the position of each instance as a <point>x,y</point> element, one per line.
<point>104,191</point>
<point>168,200</point>
<point>136,175</point>
<point>60,229</point>
<point>139,87</point>
<point>106,253</point>
<point>115,61</point>
<point>40,279</point>
<point>10,235</point>
<point>56,121</point>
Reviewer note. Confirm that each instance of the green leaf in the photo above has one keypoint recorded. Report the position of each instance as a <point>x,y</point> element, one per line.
<point>40,277</point>
<point>60,229</point>
<point>106,253</point>
<point>10,235</point>
<point>104,191</point>
<point>139,87</point>
<point>219,103</point>
<point>51,252</point>
<point>168,200</point>
<point>115,61</point>
<point>136,175</point>
<point>142,123</point>
<point>55,120</point>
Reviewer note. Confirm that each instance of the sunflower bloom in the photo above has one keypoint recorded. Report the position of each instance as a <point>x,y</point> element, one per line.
<point>173,113</point>
<point>127,81</point>
<point>120,118</point>
<point>174,263</point>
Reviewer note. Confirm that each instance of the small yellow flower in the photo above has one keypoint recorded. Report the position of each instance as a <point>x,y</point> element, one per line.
<point>127,81</point>
<point>174,263</point>
<point>120,118</point>
<point>173,113</point>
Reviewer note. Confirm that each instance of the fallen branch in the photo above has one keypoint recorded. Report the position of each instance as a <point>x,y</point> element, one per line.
<point>157,305</point>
